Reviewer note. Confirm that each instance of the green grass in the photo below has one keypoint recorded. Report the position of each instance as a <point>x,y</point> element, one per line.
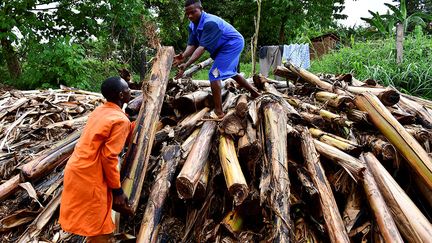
<point>377,60</point>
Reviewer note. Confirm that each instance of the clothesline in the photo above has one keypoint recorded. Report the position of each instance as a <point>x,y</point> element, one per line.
<point>273,56</point>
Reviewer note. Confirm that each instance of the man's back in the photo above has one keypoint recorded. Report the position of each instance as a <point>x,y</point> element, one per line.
<point>213,33</point>
<point>91,171</point>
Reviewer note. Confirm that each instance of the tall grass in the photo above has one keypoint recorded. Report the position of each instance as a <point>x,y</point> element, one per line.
<point>377,60</point>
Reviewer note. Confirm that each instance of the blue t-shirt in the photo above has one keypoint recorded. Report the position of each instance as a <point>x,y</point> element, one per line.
<point>212,33</point>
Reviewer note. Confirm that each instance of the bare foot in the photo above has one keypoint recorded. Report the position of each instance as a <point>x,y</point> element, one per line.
<point>220,115</point>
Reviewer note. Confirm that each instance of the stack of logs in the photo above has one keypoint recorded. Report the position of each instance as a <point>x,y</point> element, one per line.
<point>314,158</point>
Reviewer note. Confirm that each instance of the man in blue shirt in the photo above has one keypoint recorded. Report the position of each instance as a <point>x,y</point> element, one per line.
<point>222,41</point>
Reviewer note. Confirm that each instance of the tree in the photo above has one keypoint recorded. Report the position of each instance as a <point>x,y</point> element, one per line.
<point>37,20</point>
<point>284,16</point>
<point>384,24</point>
<point>401,15</point>
<point>414,6</point>
<point>171,21</point>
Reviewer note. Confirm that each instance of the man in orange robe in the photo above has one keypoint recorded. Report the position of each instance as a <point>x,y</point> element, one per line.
<point>91,179</point>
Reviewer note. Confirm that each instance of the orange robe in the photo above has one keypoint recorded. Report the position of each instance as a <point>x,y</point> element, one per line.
<point>92,172</point>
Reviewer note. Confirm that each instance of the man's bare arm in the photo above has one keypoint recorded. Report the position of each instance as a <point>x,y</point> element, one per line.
<point>195,55</point>
<point>189,50</point>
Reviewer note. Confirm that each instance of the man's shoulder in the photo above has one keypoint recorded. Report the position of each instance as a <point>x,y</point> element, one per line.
<point>109,114</point>
<point>212,18</point>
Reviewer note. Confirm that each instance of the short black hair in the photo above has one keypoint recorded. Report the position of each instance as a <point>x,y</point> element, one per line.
<point>190,2</point>
<point>111,88</point>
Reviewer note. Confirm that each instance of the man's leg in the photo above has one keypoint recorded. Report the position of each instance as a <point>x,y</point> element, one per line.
<point>242,81</point>
<point>217,97</point>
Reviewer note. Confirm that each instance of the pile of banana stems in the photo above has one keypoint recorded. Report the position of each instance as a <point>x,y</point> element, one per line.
<point>315,158</point>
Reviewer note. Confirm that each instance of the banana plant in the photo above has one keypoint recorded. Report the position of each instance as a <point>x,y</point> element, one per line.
<point>383,23</point>
<point>401,15</point>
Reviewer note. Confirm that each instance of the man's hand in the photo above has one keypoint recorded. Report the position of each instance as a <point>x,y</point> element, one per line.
<point>121,205</point>
<point>178,59</point>
<point>181,69</point>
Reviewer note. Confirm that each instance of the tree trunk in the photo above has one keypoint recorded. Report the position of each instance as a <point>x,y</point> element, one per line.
<point>255,36</point>
<point>141,144</point>
<point>338,142</point>
<point>332,217</point>
<point>379,147</point>
<point>234,178</point>
<point>194,101</point>
<point>188,143</point>
<point>421,112</point>
<point>159,192</point>
<point>275,183</point>
<point>44,164</point>
<point>352,166</point>
<point>232,124</point>
<point>413,225</point>
<point>380,210</point>
<point>388,96</point>
<point>13,63</point>
<point>419,133</point>
<point>282,29</point>
<point>249,149</point>
<point>402,116</point>
<point>407,146</point>
<point>134,105</point>
<point>326,115</point>
<point>190,174</point>
<point>143,64</point>
<point>333,100</point>
<point>188,124</point>
<point>201,189</point>
<point>399,42</point>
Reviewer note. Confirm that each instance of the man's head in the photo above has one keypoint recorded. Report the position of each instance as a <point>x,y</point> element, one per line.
<point>116,90</point>
<point>193,9</point>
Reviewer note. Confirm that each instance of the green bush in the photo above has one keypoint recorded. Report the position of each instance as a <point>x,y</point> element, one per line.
<point>62,62</point>
<point>377,60</point>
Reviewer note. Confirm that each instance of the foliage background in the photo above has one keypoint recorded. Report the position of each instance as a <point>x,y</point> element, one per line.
<point>45,43</point>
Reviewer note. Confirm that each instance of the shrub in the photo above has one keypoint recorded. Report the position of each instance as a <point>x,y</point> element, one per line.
<point>62,62</point>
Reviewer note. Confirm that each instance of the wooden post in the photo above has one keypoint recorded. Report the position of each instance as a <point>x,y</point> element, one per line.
<point>399,42</point>
<point>138,154</point>
<point>255,37</point>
